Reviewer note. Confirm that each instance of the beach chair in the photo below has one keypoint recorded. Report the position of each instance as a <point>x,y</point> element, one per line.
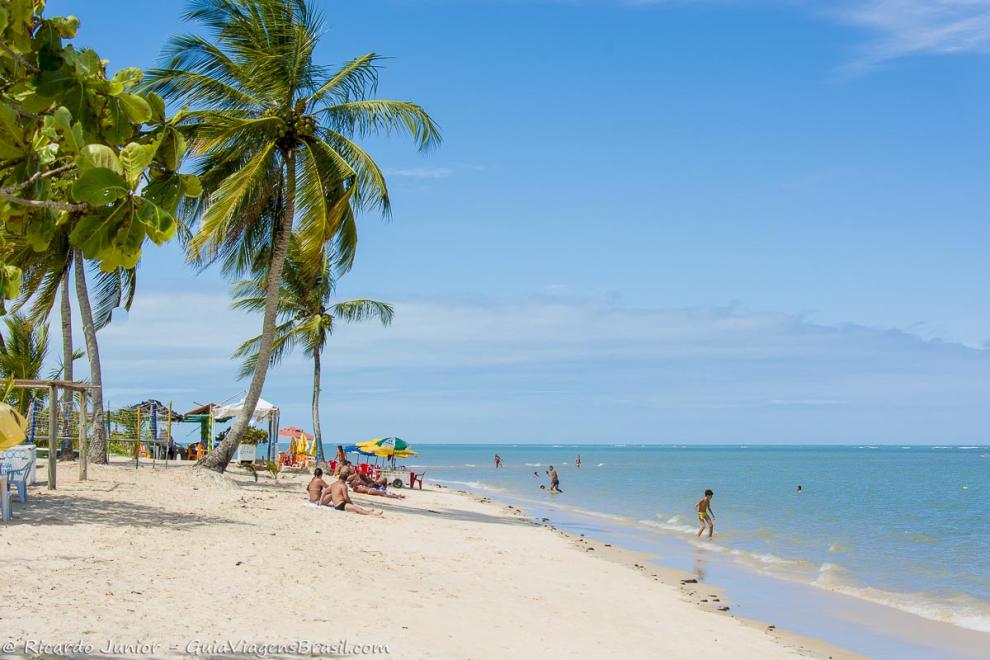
<point>416,479</point>
<point>18,478</point>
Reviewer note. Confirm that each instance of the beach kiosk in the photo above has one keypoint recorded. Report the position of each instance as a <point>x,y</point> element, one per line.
<point>264,412</point>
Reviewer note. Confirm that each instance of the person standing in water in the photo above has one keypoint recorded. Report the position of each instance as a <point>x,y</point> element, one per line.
<point>577,462</point>
<point>705,513</point>
<point>498,461</point>
<point>554,481</point>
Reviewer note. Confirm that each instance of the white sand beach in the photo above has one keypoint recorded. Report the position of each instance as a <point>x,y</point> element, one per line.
<point>182,560</point>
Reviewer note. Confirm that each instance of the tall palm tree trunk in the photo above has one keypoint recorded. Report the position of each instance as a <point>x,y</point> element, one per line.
<point>66,313</point>
<point>321,459</point>
<point>218,459</point>
<point>98,446</point>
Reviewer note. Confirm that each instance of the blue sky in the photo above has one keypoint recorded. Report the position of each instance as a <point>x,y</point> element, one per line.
<point>727,221</point>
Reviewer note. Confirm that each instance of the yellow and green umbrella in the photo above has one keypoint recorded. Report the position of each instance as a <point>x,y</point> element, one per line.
<point>12,427</point>
<point>386,447</point>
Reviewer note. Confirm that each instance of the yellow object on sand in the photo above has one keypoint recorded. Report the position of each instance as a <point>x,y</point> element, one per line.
<point>12,427</point>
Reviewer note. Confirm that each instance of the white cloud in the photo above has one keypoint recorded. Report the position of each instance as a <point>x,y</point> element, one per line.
<point>899,28</point>
<point>910,27</point>
<point>447,366</point>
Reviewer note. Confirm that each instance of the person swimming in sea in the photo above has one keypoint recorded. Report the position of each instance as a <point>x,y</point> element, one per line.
<point>705,513</point>
<point>577,462</point>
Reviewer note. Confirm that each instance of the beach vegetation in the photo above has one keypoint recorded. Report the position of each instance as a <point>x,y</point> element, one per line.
<point>23,349</point>
<point>89,169</point>
<point>273,137</point>
<point>306,319</point>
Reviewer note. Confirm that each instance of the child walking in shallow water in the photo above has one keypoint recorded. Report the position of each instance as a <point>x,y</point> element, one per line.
<point>705,513</point>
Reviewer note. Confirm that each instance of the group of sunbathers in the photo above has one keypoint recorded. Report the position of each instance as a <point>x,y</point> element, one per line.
<point>336,494</point>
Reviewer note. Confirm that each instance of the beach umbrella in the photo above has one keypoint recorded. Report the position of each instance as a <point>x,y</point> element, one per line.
<point>388,450</point>
<point>294,432</point>
<point>395,444</point>
<point>12,427</point>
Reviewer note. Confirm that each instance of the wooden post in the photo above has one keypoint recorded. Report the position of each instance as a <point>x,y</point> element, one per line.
<point>52,432</point>
<point>137,440</point>
<point>83,444</point>
<point>168,434</point>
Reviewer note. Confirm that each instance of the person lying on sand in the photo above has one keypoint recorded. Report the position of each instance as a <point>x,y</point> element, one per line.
<point>338,498</point>
<point>358,486</point>
<point>705,513</point>
<point>316,486</point>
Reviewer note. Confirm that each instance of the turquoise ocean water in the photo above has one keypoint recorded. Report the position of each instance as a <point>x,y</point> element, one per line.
<point>902,526</point>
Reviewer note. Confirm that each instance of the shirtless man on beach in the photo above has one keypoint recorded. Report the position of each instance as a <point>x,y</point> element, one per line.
<point>498,461</point>
<point>554,481</point>
<point>577,462</point>
<point>316,486</point>
<point>705,513</point>
<point>340,500</point>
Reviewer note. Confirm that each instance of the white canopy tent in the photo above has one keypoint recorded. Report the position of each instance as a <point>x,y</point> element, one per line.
<point>264,410</point>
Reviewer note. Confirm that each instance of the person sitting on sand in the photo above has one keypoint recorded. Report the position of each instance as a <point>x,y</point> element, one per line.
<point>357,485</point>
<point>338,498</point>
<point>316,486</point>
<point>705,513</point>
<point>554,481</point>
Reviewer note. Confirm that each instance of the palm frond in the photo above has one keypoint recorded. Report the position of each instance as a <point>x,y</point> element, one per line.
<point>353,81</point>
<point>376,116</point>
<point>371,189</point>
<point>355,311</point>
<point>286,337</point>
<point>236,193</point>
<point>110,291</point>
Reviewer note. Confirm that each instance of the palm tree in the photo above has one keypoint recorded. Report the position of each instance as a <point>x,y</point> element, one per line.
<point>22,354</point>
<point>305,319</point>
<point>272,134</point>
<point>47,274</point>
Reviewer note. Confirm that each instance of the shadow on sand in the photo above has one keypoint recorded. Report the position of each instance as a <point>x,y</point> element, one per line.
<point>443,513</point>
<point>75,509</point>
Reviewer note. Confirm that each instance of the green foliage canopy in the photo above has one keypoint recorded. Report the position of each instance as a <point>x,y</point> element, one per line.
<point>80,153</point>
